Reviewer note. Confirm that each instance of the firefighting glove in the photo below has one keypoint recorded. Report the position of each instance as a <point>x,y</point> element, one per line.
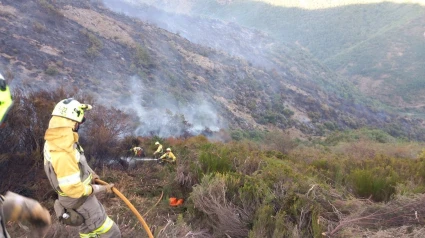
<point>20,208</point>
<point>102,188</point>
<point>94,177</point>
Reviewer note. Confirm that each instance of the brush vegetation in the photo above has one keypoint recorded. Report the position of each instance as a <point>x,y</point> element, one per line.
<point>351,184</point>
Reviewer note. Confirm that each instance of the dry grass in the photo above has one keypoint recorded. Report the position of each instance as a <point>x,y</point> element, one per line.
<point>403,231</point>
<point>103,25</point>
<point>180,229</point>
<point>395,216</point>
<point>7,11</point>
<point>225,218</point>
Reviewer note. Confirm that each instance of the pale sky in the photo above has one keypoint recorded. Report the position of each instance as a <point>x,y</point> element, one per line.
<point>319,4</point>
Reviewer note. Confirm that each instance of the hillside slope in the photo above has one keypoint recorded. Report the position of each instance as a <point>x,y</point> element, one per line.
<point>160,76</point>
<point>378,45</point>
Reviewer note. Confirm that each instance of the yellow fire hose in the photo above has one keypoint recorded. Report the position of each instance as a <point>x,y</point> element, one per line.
<point>132,208</point>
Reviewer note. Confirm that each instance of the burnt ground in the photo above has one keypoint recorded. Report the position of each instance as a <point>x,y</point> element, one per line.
<point>82,45</point>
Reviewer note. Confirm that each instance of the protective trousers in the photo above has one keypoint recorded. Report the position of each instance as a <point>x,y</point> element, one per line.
<point>96,222</point>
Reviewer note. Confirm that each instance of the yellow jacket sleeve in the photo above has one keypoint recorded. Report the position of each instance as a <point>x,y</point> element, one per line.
<point>163,156</point>
<point>169,155</point>
<point>172,156</point>
<point>159,149</point>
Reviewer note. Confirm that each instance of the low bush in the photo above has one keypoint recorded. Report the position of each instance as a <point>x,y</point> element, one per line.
<point>52,70</point>
<point>142,57</point>
<point>214,163</point>
<point>51,8</point>
<point>223,217</point>
<point>378,184</point>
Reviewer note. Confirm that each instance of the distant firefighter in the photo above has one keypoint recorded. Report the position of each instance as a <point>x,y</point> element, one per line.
<point>138,151</point>
<point>159,150</point>
<point>168,156</point>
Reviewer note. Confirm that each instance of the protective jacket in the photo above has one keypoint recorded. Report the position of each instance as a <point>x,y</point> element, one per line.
<point>5,100</point>
<point>169,157</point>
<point>65,164</point>
<point>137,151</point>
<point>158,150</point>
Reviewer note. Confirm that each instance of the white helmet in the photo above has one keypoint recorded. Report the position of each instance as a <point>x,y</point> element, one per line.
<point>157,143</point>
<point>168,149</point>
<point>71,109</point>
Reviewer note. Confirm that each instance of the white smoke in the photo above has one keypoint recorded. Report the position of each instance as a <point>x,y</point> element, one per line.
<point>164,116</point>
<point>253,46</point>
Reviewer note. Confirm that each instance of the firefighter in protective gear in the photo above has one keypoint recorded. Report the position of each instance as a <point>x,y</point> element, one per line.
<point>14,207</point>
<point>5,99</point>
<point>168,156</point>
<point>138,151</point>
<point>159,149</point>
<point>70,175</point>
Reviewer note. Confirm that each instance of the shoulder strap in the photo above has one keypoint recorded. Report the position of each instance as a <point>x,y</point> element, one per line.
<point>79,148</point>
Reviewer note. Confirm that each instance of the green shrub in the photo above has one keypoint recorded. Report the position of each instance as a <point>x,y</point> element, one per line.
<point>264,223</point>
<point>377,183</point>
<point>236,135</point>
<point>288,112</point>
<point>52,70</point>
<point>142,58</point>
<point>39,28</point>
<point>214,163</point>
<point>281,227</point>
<point>330,171</point>
<point>253,193</point>
<point>50,8</point>
<point>95,44</point>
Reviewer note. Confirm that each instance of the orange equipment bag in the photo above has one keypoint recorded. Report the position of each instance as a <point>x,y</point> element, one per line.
<point>174,202</point>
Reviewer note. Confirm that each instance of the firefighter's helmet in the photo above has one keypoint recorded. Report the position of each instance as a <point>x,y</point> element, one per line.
<point>71,109</point>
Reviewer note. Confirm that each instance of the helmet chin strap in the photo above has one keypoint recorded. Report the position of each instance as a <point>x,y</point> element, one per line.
<point>76,127</point>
